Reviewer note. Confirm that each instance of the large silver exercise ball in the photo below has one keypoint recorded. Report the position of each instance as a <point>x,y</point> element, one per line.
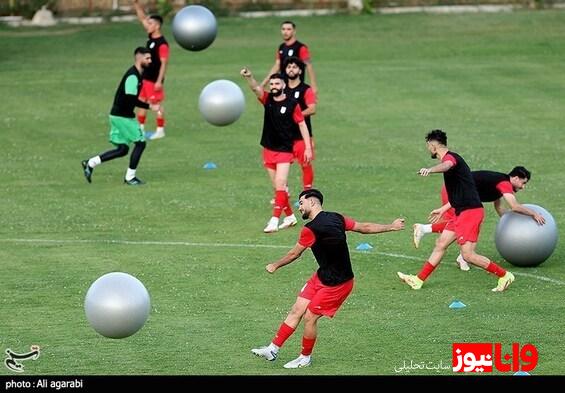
<point>195,27</point>
<point>117,305</point>
<point>521,241</point>
<point>221,102</point>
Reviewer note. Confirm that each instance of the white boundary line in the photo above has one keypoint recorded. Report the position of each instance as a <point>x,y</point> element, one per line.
<point>232,245</point>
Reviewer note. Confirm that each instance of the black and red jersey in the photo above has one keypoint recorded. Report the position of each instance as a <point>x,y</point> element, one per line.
<point>280,123</point>
<point>151,73</point>
<point>325,234</point>
<point>305,96</point>
<point>461,190</point>
<point>296,49</point>
<point>491,185</point>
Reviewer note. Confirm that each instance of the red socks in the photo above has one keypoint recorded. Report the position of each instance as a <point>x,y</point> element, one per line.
<point>307,345</point>
<point>495,269</point>
<point>427,269</point>
<point>283,334</point>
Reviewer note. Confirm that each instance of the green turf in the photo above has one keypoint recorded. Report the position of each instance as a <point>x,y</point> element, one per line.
<point>494,82</point>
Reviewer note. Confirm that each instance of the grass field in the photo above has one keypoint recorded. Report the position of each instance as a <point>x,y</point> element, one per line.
<point>494,82</point>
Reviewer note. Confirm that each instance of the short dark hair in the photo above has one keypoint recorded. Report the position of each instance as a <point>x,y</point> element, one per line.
<point>293,60</point>
<point>276,75</point>
<point>521,172</point>
<point>312,193</point>
<point>438,136</point>
<point>289,22</point>
<point>141,49</point>
<point>158,18</point>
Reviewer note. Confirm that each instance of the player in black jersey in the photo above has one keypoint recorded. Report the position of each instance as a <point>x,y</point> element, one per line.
<point>469,214</point>
<point>304,94</point>
<point>153,89</point>
<point>292,47</point>
<point>492,187</point>
<point>281,120</point>
<point>124,128</point>
<point>329,286</point>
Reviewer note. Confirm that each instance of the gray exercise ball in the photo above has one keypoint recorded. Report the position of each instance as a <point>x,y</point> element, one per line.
<point>221,102</point>
<point>117,305</point>
<point>521,241</point>
<point>195,27</point>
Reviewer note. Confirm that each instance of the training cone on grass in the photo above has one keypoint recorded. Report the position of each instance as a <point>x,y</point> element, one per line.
<point>457,304</point>
<point>364,247</point>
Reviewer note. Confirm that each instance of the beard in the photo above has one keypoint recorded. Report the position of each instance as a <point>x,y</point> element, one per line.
<point>305,216</point>
<point>276,92</point>
<point>434,155</point>
<point>293,78</point>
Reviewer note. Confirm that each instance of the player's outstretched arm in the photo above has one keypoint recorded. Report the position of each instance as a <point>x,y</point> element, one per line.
<point>371,227</point>
<point>519,208</point>
<point>253,85</point>
<point>140,12</point>
<point>290,257</point>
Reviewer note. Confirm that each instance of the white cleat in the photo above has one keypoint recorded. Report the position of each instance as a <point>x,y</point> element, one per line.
<point>288,222</point>
<point>157,135</point>
<point>418,234</point>
<point>272,225</point>
<point>265,353</point>
<point>301,361</point>
<point>463,265</point>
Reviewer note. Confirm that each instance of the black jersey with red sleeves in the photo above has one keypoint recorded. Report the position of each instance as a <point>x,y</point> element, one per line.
<point>488,184</point>
<point>151,73</point>
<point>279,126</point>
<point>299,94</point>
<point>293,50</point>
<point>460,185</point>
<point>330,248</point>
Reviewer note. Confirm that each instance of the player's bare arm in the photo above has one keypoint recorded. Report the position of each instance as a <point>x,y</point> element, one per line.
<point>519,208</point>
<point>253,85</point>
<point>290,257</point>
<point>371,227</point>
<point>439,168</point>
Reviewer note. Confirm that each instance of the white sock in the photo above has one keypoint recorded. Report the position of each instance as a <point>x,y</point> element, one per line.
<point>130,174</point>
<point>94,161</point>
<point>427,228</point>
<point>160,130</point>
<point>142,127</point>
<point>273,347</point>
<point>290,217</point>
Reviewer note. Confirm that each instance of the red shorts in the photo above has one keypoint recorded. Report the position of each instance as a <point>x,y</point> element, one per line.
<point>325,300</point>
<point>271,158</point>
<point>298,150</point>
<point>149,94</point>
<point>468,225</point>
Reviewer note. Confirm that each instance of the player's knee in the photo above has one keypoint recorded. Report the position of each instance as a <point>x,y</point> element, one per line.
<point>122,150</point>
<point>140,145</point>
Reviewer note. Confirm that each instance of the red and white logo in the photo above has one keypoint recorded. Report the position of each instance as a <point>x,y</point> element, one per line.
<point>479,357</point>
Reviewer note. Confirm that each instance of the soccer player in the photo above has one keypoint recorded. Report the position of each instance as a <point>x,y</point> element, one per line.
<point>124,128</point>
<point>306,98</point>
<point>292,47</point>
<point>153,90</point>
<point>492,187</point>
<point>329,286</point>
<point>464,227</point>
<point>281,119</point>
